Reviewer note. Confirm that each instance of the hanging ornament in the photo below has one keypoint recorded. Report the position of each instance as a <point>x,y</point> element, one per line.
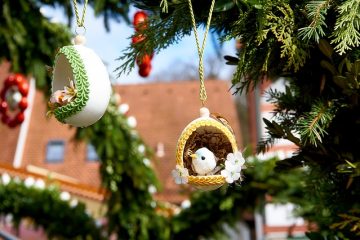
<point>81,86</point>
<point>143,63</point>
<point>207,155</point>
<point>140,18</point>
<point>13,100</point>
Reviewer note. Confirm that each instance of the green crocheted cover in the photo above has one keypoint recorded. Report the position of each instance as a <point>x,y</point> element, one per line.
<point>81,84</point>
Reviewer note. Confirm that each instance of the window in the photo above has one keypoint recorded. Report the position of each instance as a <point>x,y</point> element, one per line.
<point>91,153</point>
<point>55,151</point>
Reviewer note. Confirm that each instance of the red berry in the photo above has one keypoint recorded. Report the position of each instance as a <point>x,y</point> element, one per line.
<point>144,70</point>
<point>3,107</point>
<point>20,117</point>
<point>19,78</point>
<point>10,80</point>
<point>23,104</point>
<point>23,88</point>
<point>3,93</point>
<point>137,39</point>
<point>146,59</point>
<point>139,18</point>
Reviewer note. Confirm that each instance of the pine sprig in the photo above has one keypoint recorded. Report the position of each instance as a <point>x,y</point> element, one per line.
<point>160,34</point>
<point>346,33</point>
<point>316,12</point>
<point>351,222</point>
<point>312,125</point>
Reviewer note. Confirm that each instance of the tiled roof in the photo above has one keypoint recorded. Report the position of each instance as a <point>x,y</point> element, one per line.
<point>74,188</point>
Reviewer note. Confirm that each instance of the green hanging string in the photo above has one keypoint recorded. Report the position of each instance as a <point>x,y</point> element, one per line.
<point>203,95</point>
<point>80,21</point>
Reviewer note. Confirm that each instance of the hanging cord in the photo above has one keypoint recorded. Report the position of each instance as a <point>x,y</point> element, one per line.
<point>203,95</point>
<point>80,22</point>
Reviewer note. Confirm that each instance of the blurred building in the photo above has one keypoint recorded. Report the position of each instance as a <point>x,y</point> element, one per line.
<point>43,148</point>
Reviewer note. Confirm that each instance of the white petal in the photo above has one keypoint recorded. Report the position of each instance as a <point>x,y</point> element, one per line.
<point>238,155</point>
<point>175,173</point>
<point>178,180</point>
<point>229,179</point>
<point>184,180</point>
<point>236,176</point>
<point>184,172</point>
<point>224,173</point>
<point>230,167</point>
<point>230,157</point>
<point>237,168</point>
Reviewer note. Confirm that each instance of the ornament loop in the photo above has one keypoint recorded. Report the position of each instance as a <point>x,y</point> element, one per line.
<point>80,30</point>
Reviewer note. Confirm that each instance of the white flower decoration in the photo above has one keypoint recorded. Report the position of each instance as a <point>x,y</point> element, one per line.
<point>153,204</point>
<point>65,196</point>
<point>5,178</point>
<point>146,162</point>
<point>141,148</point>
<point>230,173</point>
<point>235,159</point>
<point>40,184</point>
<point>152,189</point>
<point>234,162</point>
<point>29,182</point>
<point>73,203</point>
<point>123,108</point>
<point>180,174</point>
<point>131,121</point>
<point>185,204</point>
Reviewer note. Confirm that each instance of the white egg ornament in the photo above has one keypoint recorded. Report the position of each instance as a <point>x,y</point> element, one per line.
<point>83,66</point>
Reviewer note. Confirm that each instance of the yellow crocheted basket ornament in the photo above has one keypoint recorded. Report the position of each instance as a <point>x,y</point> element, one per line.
<point>208,131</point>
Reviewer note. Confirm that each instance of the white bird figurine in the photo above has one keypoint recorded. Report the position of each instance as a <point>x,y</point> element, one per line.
<point>203,161</point>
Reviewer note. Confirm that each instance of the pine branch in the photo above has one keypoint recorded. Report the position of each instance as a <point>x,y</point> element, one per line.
<point>346,33</point>
<point>316,11</point>
<point>312,126</point>
<point>160,34</point>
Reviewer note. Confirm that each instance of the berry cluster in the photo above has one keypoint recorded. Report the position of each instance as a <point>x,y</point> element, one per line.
<point>13,101</point>
<point>144,63</point>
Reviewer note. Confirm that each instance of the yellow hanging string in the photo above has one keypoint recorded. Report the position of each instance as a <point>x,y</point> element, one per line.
<point>203,95</point>
<point>80,21</point>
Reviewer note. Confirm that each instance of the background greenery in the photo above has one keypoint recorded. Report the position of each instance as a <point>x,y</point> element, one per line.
<point>311,44</point>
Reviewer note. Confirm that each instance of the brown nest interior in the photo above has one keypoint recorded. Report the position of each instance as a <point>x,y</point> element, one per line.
<point>210,137</point>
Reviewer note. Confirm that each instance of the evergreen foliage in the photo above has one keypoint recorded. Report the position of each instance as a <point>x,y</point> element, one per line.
<point>130,205</point>
<point>46,209</point>
<point>311,44</point>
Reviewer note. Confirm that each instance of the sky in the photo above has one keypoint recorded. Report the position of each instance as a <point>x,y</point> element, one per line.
<point>110,45</point>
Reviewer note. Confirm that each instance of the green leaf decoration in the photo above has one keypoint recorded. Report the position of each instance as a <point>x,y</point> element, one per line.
<point>81,84</point>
